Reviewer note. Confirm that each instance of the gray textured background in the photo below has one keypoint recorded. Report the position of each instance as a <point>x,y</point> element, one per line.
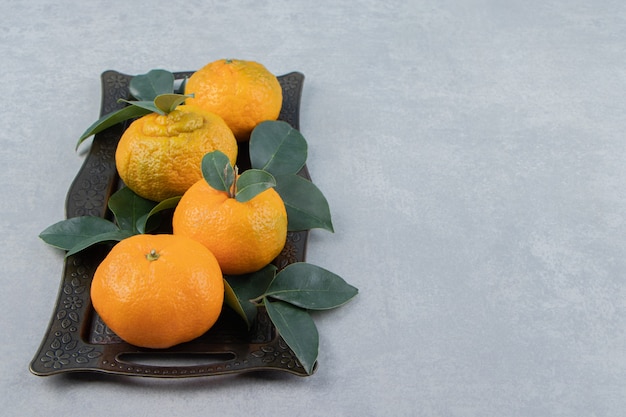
<point>473,156</point>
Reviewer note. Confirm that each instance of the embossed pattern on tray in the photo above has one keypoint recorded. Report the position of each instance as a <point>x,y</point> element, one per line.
<point>77,340</point>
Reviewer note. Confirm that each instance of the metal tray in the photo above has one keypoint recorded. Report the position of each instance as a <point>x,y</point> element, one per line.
<point>78,341</point>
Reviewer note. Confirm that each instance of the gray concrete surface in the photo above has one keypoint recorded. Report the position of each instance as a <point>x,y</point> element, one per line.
<point>472,153</point>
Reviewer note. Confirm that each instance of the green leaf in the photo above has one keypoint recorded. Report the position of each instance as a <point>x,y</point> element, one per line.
<point>146,105</point>
<point>240,289</point>
<point>148,86</point>
<point>168,102</point>
<point>111,119</point>
<point>277,148</point>
<point>251,183</point>
<point>181,87</point>
<point>306,206</point>
<point>116,235</point>
<point>68,233</point>
<point>217,171</point>
<point>298,330</point>
<point>311,287</point>
<point>128,207</point>
<point>145,88</point>
<point>151,220</point>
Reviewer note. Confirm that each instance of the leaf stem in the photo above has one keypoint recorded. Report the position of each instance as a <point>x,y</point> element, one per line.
<point>233,189</point>
<point>260,300</point>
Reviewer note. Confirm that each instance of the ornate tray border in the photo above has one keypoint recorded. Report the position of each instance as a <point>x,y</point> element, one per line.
<point>78,341</point>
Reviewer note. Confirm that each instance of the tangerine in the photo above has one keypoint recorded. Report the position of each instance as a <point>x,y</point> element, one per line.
<point>243,236</point>
<point>157,291</point>
<point>159,156</point>
<point>243,93</point>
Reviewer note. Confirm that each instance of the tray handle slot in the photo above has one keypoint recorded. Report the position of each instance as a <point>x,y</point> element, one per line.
<point>175,359</point>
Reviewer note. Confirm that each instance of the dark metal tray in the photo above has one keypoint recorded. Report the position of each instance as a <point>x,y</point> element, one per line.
<point>77,340</point>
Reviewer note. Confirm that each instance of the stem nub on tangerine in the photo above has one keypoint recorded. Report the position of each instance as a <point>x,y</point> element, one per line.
<point>152,255</point>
